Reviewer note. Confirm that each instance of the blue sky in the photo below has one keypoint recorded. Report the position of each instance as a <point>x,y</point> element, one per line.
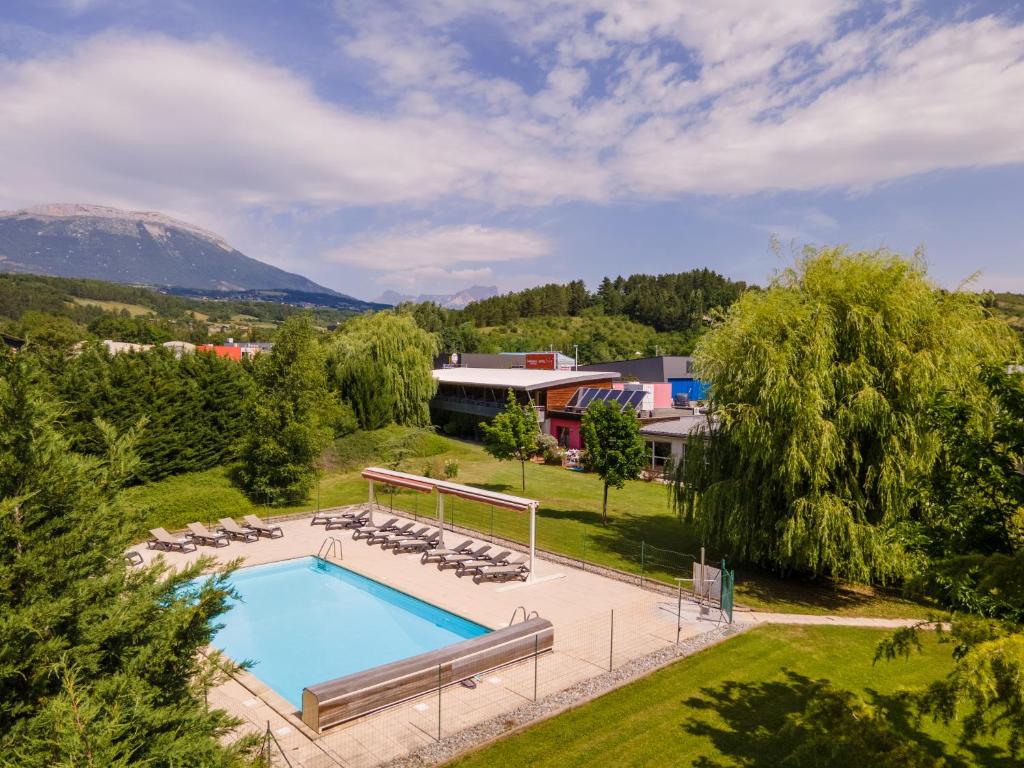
<point>433,145</point>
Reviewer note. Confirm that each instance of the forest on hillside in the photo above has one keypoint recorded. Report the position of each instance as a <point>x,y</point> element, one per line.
<point>671,302</point>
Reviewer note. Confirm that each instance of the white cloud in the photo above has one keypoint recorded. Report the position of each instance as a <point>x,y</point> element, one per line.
<point>446,247</point>
<point>442,259</point>
<point>639,100</point>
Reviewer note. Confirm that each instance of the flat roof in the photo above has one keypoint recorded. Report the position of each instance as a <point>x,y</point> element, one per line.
<point>684,426</point>
<point>518,378</point>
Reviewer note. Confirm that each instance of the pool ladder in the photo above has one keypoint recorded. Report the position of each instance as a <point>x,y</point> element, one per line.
<point>330,543</point>
<point>526,616</point>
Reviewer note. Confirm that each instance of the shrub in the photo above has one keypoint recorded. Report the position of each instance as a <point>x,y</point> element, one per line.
<point>451,469</point>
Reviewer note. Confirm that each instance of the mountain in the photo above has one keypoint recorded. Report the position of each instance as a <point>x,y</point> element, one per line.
<point>140,248</point>
<point>448,301</point>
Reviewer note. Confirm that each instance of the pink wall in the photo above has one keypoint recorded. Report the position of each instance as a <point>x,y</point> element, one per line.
<point>662,392</point>
<point>574,430</point>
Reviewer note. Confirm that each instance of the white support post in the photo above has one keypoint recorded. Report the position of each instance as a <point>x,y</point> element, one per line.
<point>440,512</point>
<point>371,502</point>
<point>533,541</point>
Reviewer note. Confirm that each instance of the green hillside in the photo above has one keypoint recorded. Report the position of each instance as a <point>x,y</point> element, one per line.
<point>62,309</point>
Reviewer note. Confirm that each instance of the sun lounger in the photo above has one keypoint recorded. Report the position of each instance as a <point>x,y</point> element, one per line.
<point>352,520</point>
<point>235,531</point>
<point>324,516</point>
<point>369,530</point>
<point>270,531</point>
<point>202,535</point>
<point>133,558</point>
<point>468,565</point>
<point>480,553</point>
<point>162,540</point>
<point>393,538</point>
<point>437,554</point>
<point>378,537</point>
<point>513,570</point>
<point>419,544</point>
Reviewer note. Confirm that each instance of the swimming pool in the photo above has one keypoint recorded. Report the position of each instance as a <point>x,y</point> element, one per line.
<point>307,621</point>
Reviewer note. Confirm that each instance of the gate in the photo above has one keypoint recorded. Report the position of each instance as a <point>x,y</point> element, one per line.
<point>728,584</point>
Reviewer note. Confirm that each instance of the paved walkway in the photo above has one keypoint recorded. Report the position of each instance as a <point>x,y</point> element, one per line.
<point>763,617</point>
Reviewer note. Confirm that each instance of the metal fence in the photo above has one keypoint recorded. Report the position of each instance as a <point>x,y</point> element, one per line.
<point>645,561</point>
<point>494,702</point>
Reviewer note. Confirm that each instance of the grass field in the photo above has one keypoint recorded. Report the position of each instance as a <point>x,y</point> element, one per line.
<point>135,310</point>
<point>726,705</point>
<point>642,533</point>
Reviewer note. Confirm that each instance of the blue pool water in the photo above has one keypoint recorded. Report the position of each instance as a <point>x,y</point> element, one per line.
<point>306,621</point>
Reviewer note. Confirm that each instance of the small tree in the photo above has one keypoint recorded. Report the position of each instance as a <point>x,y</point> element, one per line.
<point>512,434</point>
<point>614,448</point>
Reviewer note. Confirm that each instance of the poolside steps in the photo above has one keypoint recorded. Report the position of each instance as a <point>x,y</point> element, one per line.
<point>345,698</point>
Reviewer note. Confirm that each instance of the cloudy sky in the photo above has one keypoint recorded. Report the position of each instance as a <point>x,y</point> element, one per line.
<point>430,145</point>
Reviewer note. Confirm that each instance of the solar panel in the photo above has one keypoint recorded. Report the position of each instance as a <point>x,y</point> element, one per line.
<point>588,395</point>
<point>636,399</point>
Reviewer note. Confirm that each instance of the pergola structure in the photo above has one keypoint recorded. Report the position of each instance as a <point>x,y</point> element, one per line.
<point>446,488</point>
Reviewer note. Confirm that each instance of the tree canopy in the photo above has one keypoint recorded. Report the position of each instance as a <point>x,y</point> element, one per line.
<point>614,449</point>
<point>675,302</point>
<point>290,416</point>
<point>513,434</point>
<point>823,395</point>
<point>382,364</point>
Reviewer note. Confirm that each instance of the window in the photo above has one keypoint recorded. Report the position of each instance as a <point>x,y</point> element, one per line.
<point>660,452</point>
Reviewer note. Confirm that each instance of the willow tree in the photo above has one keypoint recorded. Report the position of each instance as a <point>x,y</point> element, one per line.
<point>822,390</point>
<point>383,366</point>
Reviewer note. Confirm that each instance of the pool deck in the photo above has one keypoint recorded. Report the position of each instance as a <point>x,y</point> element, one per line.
<point>579,604</point>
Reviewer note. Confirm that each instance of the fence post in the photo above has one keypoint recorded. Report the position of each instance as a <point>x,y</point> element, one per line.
<point>643,547</point>
<point>438,702</point>
<point>584,549</point>
<point>492,523</point>
<point>679,608</point>
<point>611,641</point>
<point>536,649</point>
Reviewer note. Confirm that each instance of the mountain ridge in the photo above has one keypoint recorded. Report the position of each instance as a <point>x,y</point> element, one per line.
<point>145,248</point>
<point>456,300</point>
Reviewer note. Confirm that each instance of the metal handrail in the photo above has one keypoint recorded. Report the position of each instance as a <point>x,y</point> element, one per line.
<point>526,616</point>
<point>330,542</point>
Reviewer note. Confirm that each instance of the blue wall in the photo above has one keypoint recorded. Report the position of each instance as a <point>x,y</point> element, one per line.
<point>695,388</point>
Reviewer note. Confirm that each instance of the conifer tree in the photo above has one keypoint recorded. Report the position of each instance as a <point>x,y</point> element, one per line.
<point>99,663</point>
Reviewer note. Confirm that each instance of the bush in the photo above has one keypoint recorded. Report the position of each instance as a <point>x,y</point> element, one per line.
<point>451,469</point>
<point>549,450</point>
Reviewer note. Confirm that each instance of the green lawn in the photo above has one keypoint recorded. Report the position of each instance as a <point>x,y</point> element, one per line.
<point>642,533</point>
<point>725,706</point>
